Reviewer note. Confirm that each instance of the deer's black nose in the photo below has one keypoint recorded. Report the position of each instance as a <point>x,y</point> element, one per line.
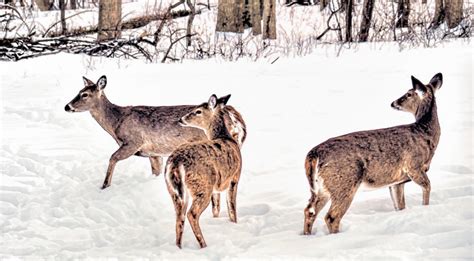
<point>68,108</point>
<point>395,106</point>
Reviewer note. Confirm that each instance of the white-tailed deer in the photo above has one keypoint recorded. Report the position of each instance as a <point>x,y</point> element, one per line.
<point>202,170</point>
<point>146,131</point>
<point>376,158</point>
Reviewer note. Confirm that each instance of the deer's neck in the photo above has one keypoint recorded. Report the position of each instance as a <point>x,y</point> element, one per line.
<point>217,128</point>
<point>427,120</point>
<point>108,115</point>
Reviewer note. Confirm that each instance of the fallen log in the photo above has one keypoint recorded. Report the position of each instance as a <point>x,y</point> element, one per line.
<point>133,23</point>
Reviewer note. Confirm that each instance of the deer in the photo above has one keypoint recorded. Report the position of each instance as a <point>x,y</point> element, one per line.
<point>203,169</point>
<point>374,159</point>
<point>146,131</point>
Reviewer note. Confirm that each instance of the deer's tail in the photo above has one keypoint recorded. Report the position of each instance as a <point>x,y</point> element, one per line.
<point>312,169</point>
<point>174,176</point>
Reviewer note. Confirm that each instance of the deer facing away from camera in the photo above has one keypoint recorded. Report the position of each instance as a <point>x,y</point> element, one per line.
<point>202,170</point>
<point>146,131</point>
<point>376,158</point>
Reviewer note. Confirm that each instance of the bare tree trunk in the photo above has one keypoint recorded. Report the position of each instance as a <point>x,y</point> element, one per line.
<point>73,4</point>
<point>269,19</point>
<point>247,14</point>
<point>256,17</point>
<point>323,4</point>
<point>110,13</point>
<point>423,1</point>
<point>229,16</point>
<point>403,13</point>
<point>453,12</point>
<point>349,6</point>
<point>237,15</point>
<point>366,20</point>
<point>439,14</point>
<point>190,22</point>
<point>62,7</point>
<point>43,5</point>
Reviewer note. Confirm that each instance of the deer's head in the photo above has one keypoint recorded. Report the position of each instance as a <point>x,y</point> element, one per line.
<point>419,97</point>
<point>204,115</point>
<point>88,97</point>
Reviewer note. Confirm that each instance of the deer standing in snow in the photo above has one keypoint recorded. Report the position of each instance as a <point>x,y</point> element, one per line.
<point>389,157</point>
<point>146,131</point>
<point>202,170</point>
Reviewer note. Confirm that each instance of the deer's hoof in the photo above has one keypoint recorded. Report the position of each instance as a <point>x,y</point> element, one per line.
<point>105,186</point>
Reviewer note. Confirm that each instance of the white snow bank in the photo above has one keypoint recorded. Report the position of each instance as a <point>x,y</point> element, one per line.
<point>53,163</point>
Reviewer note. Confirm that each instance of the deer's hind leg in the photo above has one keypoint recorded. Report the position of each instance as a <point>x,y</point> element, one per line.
<point>339,207</point>
<point>316,203</point>
<point>397,192</point>
<point>122,153</point>
<point>180,206</point>
<point>318,198</point>
<point>216,204</point>
<point>341,199</point>
<point>156,163</point>
<point>200,203</point>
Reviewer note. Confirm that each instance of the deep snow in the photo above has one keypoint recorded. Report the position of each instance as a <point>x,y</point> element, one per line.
<point>53,163</point>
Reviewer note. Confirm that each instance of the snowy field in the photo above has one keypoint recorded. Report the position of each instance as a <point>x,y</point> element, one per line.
<point>53,163</point>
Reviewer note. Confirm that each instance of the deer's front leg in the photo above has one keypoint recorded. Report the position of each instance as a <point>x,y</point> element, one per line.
<point>156,163</point>
<point>422,180</point>
<point>122,153</point>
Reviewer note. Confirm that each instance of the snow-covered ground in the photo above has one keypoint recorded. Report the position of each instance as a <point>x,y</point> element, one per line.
<point>53,163</point>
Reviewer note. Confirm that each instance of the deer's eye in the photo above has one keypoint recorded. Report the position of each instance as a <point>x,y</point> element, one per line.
<point>409,95</point>
<point>84,95</point>
<point>198,112</point>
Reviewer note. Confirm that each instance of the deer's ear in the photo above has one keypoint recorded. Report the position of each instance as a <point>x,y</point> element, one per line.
<point>102,82</point>
<point>437,81</point>
<point>417,85</point>
<point>212,103</point>
<point>223,100</point>
<point>87,82</point>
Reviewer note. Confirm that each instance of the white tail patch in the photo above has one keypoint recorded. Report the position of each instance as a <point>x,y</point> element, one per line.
<point>168,178</point>
<point>318,182</point>
<point>316,178</point>
<point>182,175</point>
<point>237,127</point>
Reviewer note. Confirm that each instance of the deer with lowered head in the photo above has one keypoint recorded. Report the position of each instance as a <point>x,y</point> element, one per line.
<point>200,171</point>
<point>378,158</point>
<point>146,131</point>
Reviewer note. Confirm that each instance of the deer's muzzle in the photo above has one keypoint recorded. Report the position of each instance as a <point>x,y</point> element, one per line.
<point>69,108</point>
<point>395,106</point>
